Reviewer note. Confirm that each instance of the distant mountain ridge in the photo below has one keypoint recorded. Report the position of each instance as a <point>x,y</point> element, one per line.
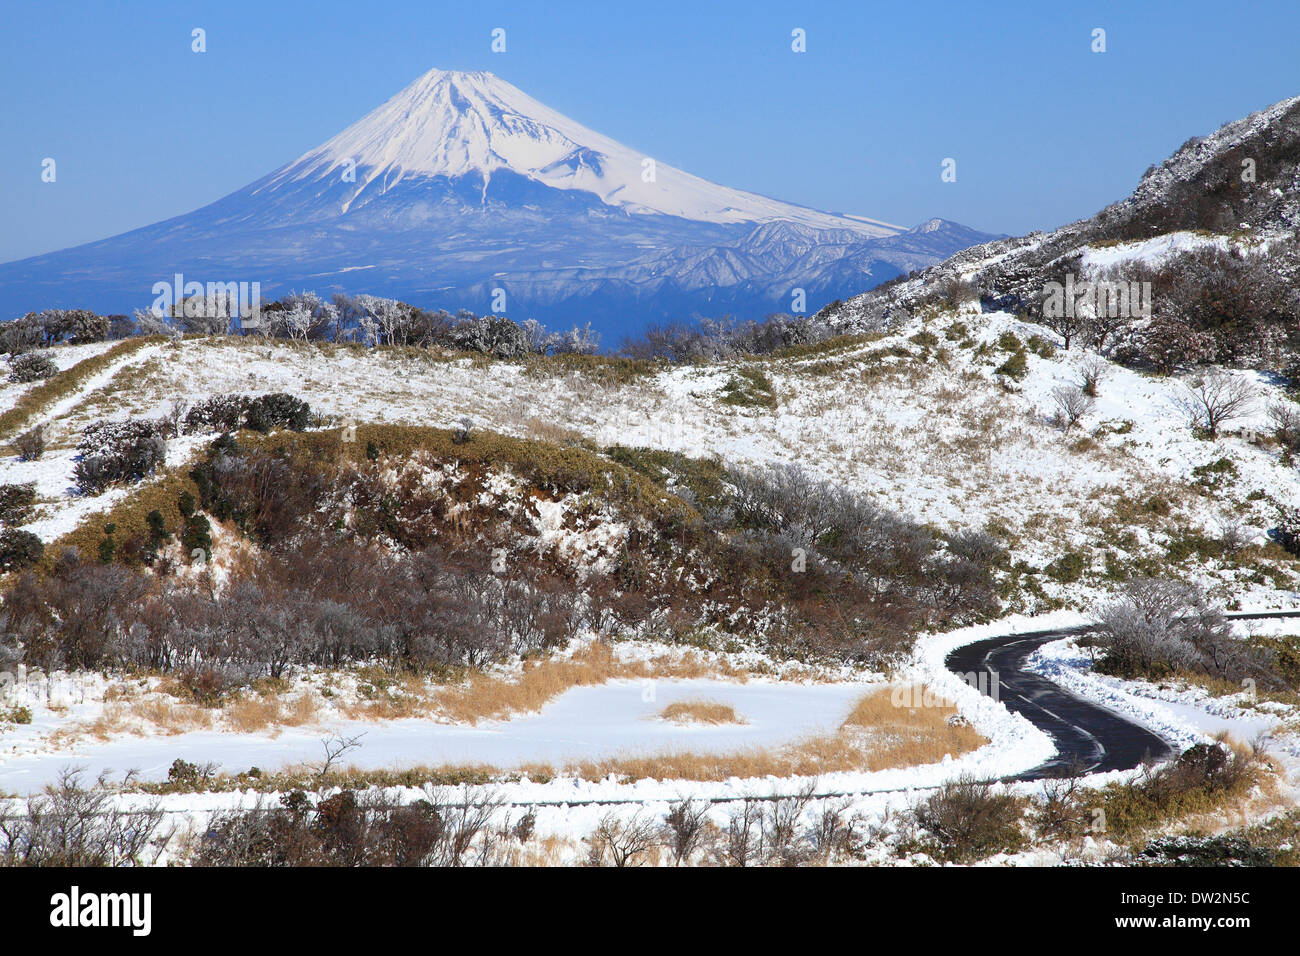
<point>1239,183</point>
<point>462,185</point>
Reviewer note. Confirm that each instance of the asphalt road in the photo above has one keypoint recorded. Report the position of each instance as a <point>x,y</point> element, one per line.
<point>1089,738</point>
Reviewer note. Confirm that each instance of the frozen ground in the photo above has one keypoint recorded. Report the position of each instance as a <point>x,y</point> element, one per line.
<point>942,441</point>
<point>620,717</point>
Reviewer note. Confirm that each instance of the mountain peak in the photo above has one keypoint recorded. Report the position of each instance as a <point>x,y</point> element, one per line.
<point>458,124</point>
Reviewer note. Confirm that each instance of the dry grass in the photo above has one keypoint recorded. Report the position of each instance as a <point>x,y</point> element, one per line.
<point>247,714</point>
<point>701,712</point>
<point>491,698</point>
<point>152,714</point>
<point>875,736</point>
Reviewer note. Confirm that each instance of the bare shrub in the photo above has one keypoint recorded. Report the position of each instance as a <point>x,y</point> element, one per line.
<point>1285,419</point>
<point>1215,398</point>
<point>744,837</point>
<point>1072,403</point>
<point>335,749</point>
<point>353,829</point>
<point>1093,370</point>
<point>1061,812</point>
<point>781,826</point>
<point>74,825</point>
<point>968,819</point>
<point>30,445</point>
<point>620,844</point>
<point>832,834</point>
<point>684,827</point>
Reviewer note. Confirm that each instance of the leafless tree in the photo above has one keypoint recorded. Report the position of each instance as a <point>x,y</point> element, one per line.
<point>335,748</point>
<point>1072,403</point>
<point>1068,327</point>
<point>621,844</point>
<point>1215,398</point>
<point>684,826</point>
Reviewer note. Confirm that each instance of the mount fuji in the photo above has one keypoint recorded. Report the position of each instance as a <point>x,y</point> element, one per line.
<point>462,185</point>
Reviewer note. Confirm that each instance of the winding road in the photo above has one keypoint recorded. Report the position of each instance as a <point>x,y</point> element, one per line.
<point>1089,738</point>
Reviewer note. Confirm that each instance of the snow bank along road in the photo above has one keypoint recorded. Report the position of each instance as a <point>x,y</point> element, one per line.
<point>1089,738</point>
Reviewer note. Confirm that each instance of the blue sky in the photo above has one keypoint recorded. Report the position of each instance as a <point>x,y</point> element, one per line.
<point>1043,130</point>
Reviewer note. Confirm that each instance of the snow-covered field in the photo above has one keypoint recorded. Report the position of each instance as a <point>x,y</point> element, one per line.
<point>939,439</point>
<point>620,717</point>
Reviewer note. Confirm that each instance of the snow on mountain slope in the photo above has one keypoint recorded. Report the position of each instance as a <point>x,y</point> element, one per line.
<point>454,124</point>
<point>919,424</point>
<point>461,185</point>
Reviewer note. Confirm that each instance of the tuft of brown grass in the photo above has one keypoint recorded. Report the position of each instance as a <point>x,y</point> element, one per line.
<point>247,714</point>
<point>875,736</point>
<point>701,712</point>
<point>492,698</point>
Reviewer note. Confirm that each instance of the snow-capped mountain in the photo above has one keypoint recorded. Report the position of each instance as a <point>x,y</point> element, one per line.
<point>461,185</point>
<point>456,125</point>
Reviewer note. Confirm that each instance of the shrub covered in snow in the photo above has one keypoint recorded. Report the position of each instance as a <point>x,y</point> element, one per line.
<point>31,367</point>
<point>220,413</point>
<point>112,452</point>
<point>1158,627</point>
<point>17,503</point>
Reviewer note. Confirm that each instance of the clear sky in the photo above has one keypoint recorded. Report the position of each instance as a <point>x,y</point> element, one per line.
<point>1044,131</point>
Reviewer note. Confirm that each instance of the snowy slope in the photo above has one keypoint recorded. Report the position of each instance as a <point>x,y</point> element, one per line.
<point>454,124</point>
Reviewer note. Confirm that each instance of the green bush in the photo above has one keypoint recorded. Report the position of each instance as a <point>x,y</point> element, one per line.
<point>1015,367</point>
<point>17,503</point>
<point>1068,568</point>
<point>278,410</point>
<point>19,549</point>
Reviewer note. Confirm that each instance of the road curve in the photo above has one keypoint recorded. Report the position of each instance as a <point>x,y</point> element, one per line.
<point>1089,738</point>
